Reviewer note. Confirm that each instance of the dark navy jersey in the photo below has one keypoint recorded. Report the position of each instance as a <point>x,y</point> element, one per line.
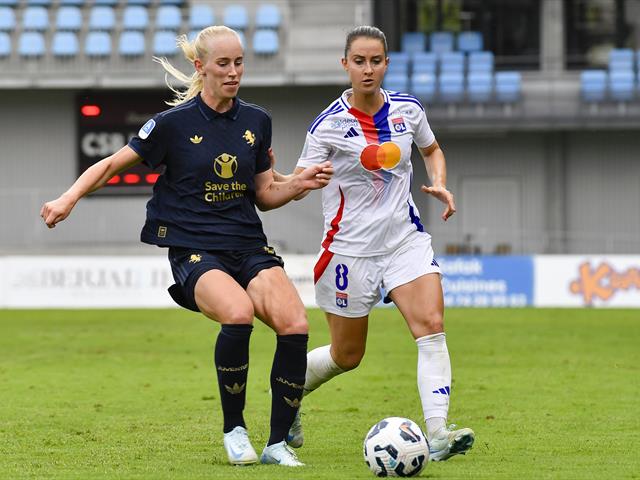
<point>206,196</point>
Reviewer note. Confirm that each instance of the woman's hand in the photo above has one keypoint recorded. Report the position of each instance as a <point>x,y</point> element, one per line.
<point>445,196</point>
<point>57,210</point>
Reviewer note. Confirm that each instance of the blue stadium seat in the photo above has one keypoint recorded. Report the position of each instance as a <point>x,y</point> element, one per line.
<point>452,62</point>
<point>110,3</point>
<point>508,86</point>
<point>622,85</point>
<point>7,19</point>
<point>265,42</point>
<point>593,85</point>
<point>268,16</point>
<point>168,17</point>
<point>470,42</point>
<point>413,42</point>
<point>72,2</point>
<point>164,43</point>
<point>145,3</point>
<point>43,3</point>
<point>172,2</point>
<point>64,44</point>
<point>451,87</point>
<point>31,44</point>
<point>621,59</point>
<point>399,63</point>
<point>9,3</point>
<point>479,86</point>
<point>97,44</point>
<point>201,16</point>
<point>396,82</point>
<point>35,18</point>
<point>235,16</point>
<point>69,18</point>
<point>424,62</point>
<point>5,45</point>
<point>102,17</point>
<point>423,85</point>
<point>131,44</point>
<point>135,17</point>
<point>481,62</point>
<point>441,42</point>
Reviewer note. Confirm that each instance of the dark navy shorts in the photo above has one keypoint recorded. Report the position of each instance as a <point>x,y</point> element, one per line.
<point>188,264</point>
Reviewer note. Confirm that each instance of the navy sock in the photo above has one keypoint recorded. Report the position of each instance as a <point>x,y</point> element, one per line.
<point>232,366</point>
<point>287,383</point>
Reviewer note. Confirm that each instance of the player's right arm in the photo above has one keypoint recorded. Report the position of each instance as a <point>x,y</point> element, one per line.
<point>92,179</point>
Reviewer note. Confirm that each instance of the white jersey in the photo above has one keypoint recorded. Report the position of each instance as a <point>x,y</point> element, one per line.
<point>368,208</point>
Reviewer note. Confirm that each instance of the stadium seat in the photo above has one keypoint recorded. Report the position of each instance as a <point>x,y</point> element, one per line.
<point>135,17</point>
<point>398,63</point>
<point>593,85</point>
<point>201,16</point>
<point>171,2</point>
<point>69,18</point>
<point>479,86</point>
<point>508,86</point>
<point>102,17</point>
<point>97,44</point>
<point>451,87</point>
<point>43,3</point>
<point>111,3</point>
<point>621,59</point>
<point>144,3</point>
<point>35,18</point>
<point>164,43</point>
<point>423,85</point>
<point>72,2</point>
<point>622,85</point>
<point>268,16</point>
<point>452,62</point>
<point>470,42</point>
<point>235,16</point>
<point>396,82</point>
<point>441,42</point>
<point>8,3</point>
<point>168,17</point>
<point>131,44</point>
<point>5,45</point>
<point>413,42</point>
<point>265,42</point>
<point>31,44</point>
<point>64,44</point>
<point>481,62</point>
<point>7,19</point>
<point>424,62</point>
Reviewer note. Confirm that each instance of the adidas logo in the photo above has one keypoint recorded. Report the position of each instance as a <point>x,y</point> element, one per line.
<point>444,390</point>
<point>295,403</point>
<point>351,133</point>
<point>235,389</point>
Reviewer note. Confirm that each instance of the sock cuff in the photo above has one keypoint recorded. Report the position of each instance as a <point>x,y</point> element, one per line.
<point>433,339</point>
<point>294,339</point>
<point>325,352</point>
<point>237,330</point>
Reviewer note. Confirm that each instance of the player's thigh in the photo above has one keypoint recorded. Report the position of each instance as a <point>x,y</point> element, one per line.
<point>221,298</point>
<point>421,303</point>
<point>348,339</point>
<point>276,302</point>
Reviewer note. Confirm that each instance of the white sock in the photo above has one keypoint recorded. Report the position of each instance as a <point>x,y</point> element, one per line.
<point>320,368</point>
<point>434,380</point>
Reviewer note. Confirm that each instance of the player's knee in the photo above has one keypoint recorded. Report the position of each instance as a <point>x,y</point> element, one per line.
<point>296,326</point>
<point>348,359</point>
<point>236,316</point>
<point>434,321</point>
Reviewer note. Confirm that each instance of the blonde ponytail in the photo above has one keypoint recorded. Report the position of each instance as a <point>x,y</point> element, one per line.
<point>196,49</point>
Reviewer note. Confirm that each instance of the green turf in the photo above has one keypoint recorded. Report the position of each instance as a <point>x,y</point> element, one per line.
<point>131,394</point>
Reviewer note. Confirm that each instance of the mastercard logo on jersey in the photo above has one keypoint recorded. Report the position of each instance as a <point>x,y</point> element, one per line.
<point>384,156</point>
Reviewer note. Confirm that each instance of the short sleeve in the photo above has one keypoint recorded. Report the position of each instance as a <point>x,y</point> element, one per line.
<point>423,136</point>
<point>314,151</point>
<point>150,143</point>
<point>263,163</point>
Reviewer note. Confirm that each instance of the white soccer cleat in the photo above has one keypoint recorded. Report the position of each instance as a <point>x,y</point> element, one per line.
<point>238,447</point>
<point>295,437</point>
<point>280,454</point>
<point>449,442</point>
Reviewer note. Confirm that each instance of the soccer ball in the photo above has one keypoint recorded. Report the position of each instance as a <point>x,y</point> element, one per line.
<point>396,447</point>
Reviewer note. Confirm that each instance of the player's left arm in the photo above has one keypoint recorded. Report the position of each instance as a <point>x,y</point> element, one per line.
<point>436,165</point>
<point>271,193</point>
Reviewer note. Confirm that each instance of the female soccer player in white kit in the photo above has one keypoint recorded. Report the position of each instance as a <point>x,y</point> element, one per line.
<point>373,235</point>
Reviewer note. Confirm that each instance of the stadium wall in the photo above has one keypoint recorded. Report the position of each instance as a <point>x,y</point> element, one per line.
<point>468,281</point>
<point>518,191</point>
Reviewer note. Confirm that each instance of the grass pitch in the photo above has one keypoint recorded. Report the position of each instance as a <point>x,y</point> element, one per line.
<point>132,394</point>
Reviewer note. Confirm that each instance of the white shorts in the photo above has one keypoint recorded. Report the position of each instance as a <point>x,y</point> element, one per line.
<point>350,286</point>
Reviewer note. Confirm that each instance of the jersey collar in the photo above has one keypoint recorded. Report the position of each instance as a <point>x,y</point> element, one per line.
<point>209,113</point>
<point>348,92</point>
